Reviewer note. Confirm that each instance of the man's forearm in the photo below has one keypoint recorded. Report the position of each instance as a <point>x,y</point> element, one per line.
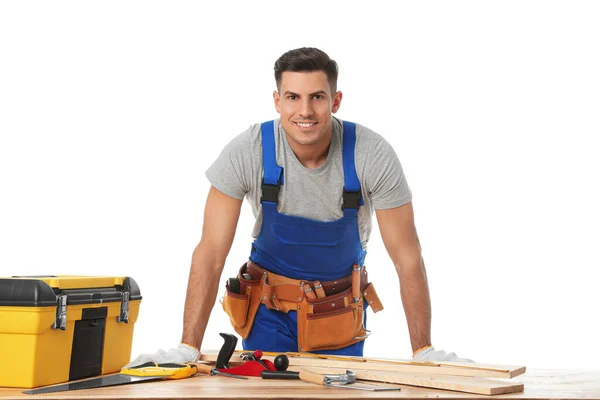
<point>414,292</point>
<point>203,284</point>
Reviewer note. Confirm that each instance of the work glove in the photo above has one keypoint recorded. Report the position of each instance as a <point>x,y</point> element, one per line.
<point>429,353</point>
<point>181,355</point>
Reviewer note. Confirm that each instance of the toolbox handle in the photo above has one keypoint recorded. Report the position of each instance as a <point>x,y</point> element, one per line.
<point>60,322</point>
<point>124,314</point>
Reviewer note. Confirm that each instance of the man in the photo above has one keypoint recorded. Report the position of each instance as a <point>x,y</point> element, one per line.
<point>313,182</point>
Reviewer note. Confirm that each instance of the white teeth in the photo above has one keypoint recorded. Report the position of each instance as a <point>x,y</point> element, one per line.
<point>305,125</point>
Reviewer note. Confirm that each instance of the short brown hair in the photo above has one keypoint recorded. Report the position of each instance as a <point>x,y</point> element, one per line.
<point>307,59</point>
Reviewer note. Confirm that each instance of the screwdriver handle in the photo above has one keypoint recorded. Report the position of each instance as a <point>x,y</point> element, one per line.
<point>204,368</point>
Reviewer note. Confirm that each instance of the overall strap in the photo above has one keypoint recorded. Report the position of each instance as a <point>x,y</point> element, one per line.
<point>352,197</point>
<point>272,173</point>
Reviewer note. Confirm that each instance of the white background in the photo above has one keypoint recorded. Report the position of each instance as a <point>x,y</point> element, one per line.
<point>110,112</point>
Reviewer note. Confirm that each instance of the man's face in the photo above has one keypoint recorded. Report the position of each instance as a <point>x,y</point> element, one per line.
<point>305,104</point>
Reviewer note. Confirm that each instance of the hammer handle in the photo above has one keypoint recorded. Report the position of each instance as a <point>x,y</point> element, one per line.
<point>356,282</point>
<point>312,377</point>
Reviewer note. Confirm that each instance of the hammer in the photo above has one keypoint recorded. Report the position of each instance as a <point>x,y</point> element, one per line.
<point>345,381</point>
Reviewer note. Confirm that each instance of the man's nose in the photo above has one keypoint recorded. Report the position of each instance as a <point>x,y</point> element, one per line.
<point>306,110</point>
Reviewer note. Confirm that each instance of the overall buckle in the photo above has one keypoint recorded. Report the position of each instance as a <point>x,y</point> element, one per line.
<point>351,199</point>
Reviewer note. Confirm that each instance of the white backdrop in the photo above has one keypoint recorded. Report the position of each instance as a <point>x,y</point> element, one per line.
<point>110,112</point>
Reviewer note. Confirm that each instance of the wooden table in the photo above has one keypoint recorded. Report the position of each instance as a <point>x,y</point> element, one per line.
<point>539,384</point>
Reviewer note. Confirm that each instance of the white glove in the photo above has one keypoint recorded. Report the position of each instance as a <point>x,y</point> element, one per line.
<point>181,355</point>
<point>429,353</point>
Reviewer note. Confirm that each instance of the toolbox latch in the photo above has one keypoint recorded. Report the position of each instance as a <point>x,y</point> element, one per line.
<point>124,314</point>
<point>61,314</point>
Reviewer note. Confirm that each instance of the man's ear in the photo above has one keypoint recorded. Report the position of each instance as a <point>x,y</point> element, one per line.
<point>276,101</point>
<point>337,102</point>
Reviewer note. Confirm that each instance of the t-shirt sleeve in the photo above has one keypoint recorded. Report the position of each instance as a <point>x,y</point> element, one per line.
<point>231,171</point>
<point>385,178</point>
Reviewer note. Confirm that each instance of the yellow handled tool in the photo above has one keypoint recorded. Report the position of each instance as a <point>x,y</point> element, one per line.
<point>168,371</point>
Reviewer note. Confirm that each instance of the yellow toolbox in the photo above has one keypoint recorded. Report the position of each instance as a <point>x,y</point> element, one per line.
<point>60,328</point>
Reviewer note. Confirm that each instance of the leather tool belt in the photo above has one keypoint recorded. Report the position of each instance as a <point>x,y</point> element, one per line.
<point>330,314</point>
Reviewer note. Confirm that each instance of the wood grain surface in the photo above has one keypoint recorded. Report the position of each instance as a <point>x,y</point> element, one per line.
<point>464,369</point>
<point>539,384</point>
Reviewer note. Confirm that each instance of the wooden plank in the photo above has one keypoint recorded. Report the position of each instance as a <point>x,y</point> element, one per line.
<point>458,370</point>
<point>509,369</point>
<point>473,385</point>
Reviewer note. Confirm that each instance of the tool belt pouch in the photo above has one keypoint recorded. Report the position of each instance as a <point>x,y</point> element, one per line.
<point>242,307</point>
<point>330,330</point>
<point>335,321</point>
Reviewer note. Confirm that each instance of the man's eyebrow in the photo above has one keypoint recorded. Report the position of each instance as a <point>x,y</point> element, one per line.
<point>288,92</point>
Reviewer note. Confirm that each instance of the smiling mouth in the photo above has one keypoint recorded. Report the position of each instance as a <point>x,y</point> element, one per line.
<point>305,124</point>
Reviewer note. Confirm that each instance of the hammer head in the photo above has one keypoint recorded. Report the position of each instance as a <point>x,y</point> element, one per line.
<point>344,379</point>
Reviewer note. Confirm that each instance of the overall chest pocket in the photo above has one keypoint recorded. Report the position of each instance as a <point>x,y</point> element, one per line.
<point>328,235</point>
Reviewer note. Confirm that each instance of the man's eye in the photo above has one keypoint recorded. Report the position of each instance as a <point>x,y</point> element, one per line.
<point>292,97</point>
<point>318,96</point>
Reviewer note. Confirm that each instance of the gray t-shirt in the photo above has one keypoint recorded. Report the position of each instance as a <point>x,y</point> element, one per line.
<point>313,193</point>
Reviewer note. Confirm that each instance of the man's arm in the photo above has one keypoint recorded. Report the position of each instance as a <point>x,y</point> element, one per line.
<point>399,235</point>
<point>221,216</point>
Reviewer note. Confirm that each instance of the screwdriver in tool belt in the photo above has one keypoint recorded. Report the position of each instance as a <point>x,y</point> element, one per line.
<point>309,292</point>
<point>207,369</point>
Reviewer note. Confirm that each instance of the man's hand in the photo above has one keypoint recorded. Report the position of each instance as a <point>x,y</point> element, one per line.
<point>181,355</point>
<point>429,353</point>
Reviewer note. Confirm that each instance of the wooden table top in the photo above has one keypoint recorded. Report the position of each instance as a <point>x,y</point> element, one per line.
<point>539,384</point>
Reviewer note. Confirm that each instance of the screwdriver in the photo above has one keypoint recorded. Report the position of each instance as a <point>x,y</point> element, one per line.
<point>207,369</point>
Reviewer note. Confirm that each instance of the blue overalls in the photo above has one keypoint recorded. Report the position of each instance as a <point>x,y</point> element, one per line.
<point>301,248</point>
